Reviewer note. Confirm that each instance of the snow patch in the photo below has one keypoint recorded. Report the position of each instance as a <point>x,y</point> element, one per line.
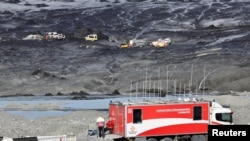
<point>229,22</point>
<point>228,38</point>
<point>207,52</point>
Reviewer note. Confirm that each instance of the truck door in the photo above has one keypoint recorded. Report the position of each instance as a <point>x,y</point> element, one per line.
<point>133,121</point>
<point>120,119</point>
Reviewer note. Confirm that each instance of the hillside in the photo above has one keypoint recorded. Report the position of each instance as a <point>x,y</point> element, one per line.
<point>207,44</point>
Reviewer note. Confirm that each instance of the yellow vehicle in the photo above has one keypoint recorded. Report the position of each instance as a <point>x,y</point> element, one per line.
<point>91,37</point>
<point>124,45</point>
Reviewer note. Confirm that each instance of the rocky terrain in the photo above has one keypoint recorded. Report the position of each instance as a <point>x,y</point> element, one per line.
<point>209,53</point>
<point>209,42</point>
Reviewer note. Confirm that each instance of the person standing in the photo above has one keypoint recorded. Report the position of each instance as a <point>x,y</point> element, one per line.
<point>100,125</point>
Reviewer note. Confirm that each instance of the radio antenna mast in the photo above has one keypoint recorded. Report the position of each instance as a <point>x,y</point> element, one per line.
<point>131,87</point>
<point>167,84</point>
<point>204,81</point>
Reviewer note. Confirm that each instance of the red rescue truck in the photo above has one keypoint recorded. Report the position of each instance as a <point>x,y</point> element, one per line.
<point>166,120</point>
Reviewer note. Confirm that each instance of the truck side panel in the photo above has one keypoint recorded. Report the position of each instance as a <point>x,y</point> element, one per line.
<point>167,119</point>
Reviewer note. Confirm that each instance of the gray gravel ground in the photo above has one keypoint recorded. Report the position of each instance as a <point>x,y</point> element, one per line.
<point>78,122</point>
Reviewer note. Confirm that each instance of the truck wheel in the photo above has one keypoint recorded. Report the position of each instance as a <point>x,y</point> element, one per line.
<point>194,138</point>
<point>151,139</point>
<point>167,139</point>
<point>202,138</point>
<point>198,138</point>
<point>206,138</point>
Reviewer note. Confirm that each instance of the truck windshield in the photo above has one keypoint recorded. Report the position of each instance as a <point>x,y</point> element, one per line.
<point>226,117</point>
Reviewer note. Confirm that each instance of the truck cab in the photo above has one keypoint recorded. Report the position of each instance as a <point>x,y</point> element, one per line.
<point>220,114</point>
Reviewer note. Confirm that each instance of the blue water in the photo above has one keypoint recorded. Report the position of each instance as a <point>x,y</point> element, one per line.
<point>67,105</point>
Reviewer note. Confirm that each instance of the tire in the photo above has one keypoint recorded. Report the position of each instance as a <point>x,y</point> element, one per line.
<point>202,138</point>
<point>151,139</point>
<point>206,138</point>
<point>198,138</point>
<point>194,138</point>
<point>167,139</point>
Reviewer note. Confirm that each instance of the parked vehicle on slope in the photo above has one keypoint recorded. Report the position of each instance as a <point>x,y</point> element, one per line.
<point>137,43</point>
<point>133,43</point>
<point>54,36</point>
<point>124,45</point>
<point>161,43</point>
<point>166,120</point>
<point>91,37</point>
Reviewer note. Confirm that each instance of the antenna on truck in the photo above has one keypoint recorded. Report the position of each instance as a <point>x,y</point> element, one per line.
<point>204,82</point>
<point>167,84</point>
<point>131,87</point>
<point>191,80</point>
<point>136,89</point>
<point>146,87</point>
<point>159,83</point>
